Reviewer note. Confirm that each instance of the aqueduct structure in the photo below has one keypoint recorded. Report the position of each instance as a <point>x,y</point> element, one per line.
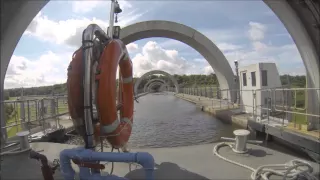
<point>301,19</point>
<point>149,83</point>
<point>144,76</point>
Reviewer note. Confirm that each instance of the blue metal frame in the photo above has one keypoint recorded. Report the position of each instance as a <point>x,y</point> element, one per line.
<point>87,155</point>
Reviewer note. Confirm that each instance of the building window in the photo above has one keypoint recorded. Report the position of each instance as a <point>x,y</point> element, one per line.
<point>264,78</point>
<point>244,79</point>
<point>253,78</point>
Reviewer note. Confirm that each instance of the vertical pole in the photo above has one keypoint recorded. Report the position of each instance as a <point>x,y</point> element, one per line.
<point>3,119</point>
<point>205,91</point>
<point>22,116</point>
<point>119,89</point>
<point>253,104</point>
<point>29,117</point>
<point>53,110</point>
<point>268,106</point>
<point>42,114</point>
<point>111,20</point>
<point>228,99</point>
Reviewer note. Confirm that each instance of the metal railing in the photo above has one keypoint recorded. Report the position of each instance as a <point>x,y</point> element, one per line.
<point>33,114</point>
<point>275,105</point>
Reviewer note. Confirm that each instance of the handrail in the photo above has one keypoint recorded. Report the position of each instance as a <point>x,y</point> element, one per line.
<point>39,110</point>
<point>278,100</point>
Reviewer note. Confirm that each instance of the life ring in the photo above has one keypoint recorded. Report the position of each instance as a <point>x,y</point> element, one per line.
<point>116,131</point>
<point>75,86</point>
<point>75,91</point>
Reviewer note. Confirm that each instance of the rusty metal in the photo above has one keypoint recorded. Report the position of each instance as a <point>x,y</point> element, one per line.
<point>47,171</point>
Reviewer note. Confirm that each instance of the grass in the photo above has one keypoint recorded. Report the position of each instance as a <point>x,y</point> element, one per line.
<point>300,104</point>
<point>12,98</point>
<point>13,130</point>
<point>299,118</point>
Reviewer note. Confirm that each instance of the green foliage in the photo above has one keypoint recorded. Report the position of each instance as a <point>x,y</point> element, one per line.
<point>9,111</point>
<point>6,95</point>
<point>42,90</point>
<point>294,81</point>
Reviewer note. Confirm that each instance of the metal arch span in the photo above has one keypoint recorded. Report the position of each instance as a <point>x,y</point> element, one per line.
<point>175,82</point>
<point>189,36</point>
<point>156,83</point>
<point>151,81</point>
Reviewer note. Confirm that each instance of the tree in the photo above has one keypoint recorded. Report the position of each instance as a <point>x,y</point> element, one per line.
<point>6,95</point>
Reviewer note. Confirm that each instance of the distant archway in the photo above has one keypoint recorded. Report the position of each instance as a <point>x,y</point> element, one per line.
<point>156,83</point>
<point>153,80</point>
<point>191,37</point>
<point>136,85</point>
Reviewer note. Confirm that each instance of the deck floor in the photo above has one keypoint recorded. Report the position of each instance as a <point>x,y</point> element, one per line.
<point>190,162</point>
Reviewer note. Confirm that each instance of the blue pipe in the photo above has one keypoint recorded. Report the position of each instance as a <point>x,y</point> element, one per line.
<point>87,155</point>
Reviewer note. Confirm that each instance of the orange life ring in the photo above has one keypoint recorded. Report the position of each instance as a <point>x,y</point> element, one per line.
<point>116,131</point>
<point>75,91</point>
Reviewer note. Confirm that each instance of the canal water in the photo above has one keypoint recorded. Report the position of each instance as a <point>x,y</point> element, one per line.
<point>162,120</point>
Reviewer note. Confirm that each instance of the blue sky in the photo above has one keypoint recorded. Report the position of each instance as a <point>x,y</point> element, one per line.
<point>244,30</point>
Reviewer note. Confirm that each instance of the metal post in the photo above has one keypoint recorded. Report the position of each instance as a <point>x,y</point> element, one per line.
<point>205,91</point>
<point>42,113</point>
<point>111,20</point>
<point>269,106</point>
<point>22,116</point>
<point>28,109</point>
<point>253,104</point>
<point>237,81</point>
<point>57,112</point>
<point>228,99</point>
<point>87,39</point>
<point>53,110</point>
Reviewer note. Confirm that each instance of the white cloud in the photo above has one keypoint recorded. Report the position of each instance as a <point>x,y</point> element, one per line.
<point>58,31</point>
<point>69,31</point>
<point>228,47</point>
<point>223,35</point>
<point>48,69</point>
<point>132,47</point>
<point>256,31</point>
<point>51,68</point>
<point>154,57</point>
<point>86,6</point>
<point>208,70</point>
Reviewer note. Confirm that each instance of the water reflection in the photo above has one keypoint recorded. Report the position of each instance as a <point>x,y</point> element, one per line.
<point>166,121</point>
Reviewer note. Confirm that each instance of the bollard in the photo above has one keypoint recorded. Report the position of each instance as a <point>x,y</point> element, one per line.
<point>241,140</point>
<point>24,141</point>
<point>240,145</point>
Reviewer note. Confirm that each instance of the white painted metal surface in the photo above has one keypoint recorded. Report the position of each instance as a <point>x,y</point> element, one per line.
<point>251,102</point>
<point>24,141</point>
<point>240,145</point>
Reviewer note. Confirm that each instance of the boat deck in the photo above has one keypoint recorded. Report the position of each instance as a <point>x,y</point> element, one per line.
<point>189,162</point>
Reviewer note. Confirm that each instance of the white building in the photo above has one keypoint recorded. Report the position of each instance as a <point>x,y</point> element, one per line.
<point>256,80</point>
